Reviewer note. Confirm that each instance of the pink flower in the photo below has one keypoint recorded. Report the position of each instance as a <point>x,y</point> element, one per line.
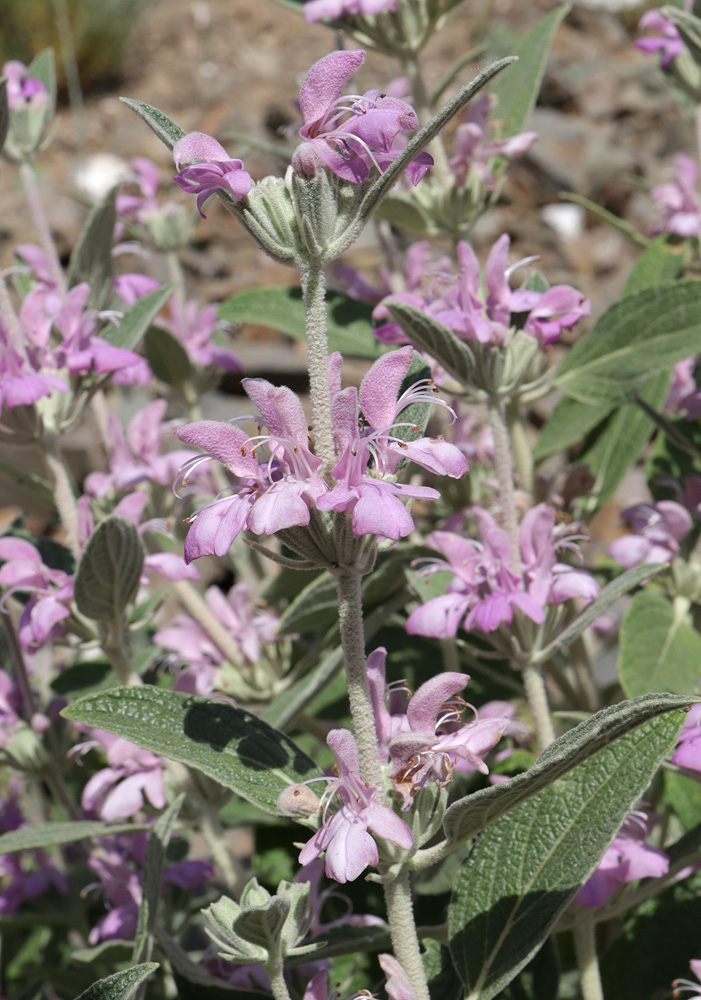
<point>628,859</point>
<point>51,591</point>
<point>132,777</point>
<point>205,168</point>
<point>667,41</point>
<point>658,527</point>
<point>23,90</point>
<point>688,753</point>
<point>319,10</point>
<point>351,135</point>
<point>344,835</point>
<point>678,201</point>
<point>472,150</point>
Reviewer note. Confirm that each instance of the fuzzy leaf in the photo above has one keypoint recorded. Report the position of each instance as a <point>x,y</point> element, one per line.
<point>429,335</point>
<point>639,336</point>
<point>569,422</point>
<point>656,265</point>
<point>122,985</point>
<point>471,814</point>
<point>166,130</point>
<point>660,649</point>
<point>47,835</point>
<point>281,308</point>
<point>109,570</point>
<point>167,358</point>
<point>237,749</point>
<point>137,319</point>
<point>153,871</point>
<point>517,90</point>
<point>91,259</point>
<point>527,867</point>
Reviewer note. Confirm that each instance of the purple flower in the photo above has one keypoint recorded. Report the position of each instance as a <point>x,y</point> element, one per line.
<point>472,150</point>
<point>658,527</point>
<point>146,176</point>
<point>319,10</point>
<point>23,90</point>
<point>688,753</point>
<point>21,384</point>
<point>398,986</point>
<point>667,41</point>
<point>485,591</point>
<point>678,200</point>
<point>51,591</point>
<point>132,777</point>
<point>351,135</point>
<point>628,859</point>
<point>205,168</point>
<point>425,742</point>
<point>344,835</point>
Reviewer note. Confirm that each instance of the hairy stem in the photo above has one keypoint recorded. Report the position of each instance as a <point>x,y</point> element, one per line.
<point>33,195</point>
<point>505,475</point>
<point>64,497</point>
<point>587,961</point>
<point>121,664</point>
<point>274,968</point>
<point>350,616</point>
<point>314,292</point>
<point>538,704</point>
<point>405,940</point>
<point>523,456</point>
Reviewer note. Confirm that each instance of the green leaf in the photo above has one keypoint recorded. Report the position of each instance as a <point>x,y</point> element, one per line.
<point>443,981</point>
<point>122,985</point>
<point>567,425</point>
<point>684,796</point>
<point>655,945</point>
<point>281,308</point>
<point>431,336</point>
<point>167,358</point>
<point>166,130</point>
<point>471,814</point>
<point>656,265</point>
<point>401,211</point>
<point>526,868</point>
<point>604,599</point>
<point>617,445</point>
<point>517,90</point>
<point>4,112</point>
<point>154,861</point>
<point>316,606</point>
<point>639,336</point>
<point>137,319</point>
<point>109,570</point>
<point>91,260</point>
<point>660,650</point>
<point>47,835</point>
<point>232,746</point>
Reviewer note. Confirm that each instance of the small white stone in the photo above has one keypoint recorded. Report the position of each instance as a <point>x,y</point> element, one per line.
<point>99,174</point>
<point>567,220</point>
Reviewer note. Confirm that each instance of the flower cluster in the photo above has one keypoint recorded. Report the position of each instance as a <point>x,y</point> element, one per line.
<point>459,302</point>
<point>678,200</point>
<point>485,590</point>
<point>474,152</point>
<point>319,10</point>
<point>658,528</point>
<point>280,491</point>
<point>665,40</point>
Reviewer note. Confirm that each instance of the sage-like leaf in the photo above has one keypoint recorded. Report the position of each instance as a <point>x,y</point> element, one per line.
<point>468,816</point>
<point>637,337</point>
<point>45,835</point>
<point>122,985</point>
<point>137,319</point>
<point>517,90</point>
<point>233,747</point>
<point>656,265</point>
<point>91,260</point>
<point>153,871</point>
<point>443,981</point>
<point>281,308</point>
<point>109,570</point>
<point>607,596</point>
<point>166,130</point>
<point>433,337</point>
<point>527,867</point>
<point>660,648</point>
<point>568,424</point>
<point>167,358</point>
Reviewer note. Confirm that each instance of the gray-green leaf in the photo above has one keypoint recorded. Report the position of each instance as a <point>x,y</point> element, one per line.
<point>468,816</point>
<point>91,260</point>
<point>4,112</point>
<point>137,319</point>
<point>109,570</point>
<point>431,336</point>
<point>660,649</point>
<point>47,835</point>
<point>166,130</point>
<point>527,867</point>
<point>122,985</point>
<point>153,870</point>
<point>237,749</point>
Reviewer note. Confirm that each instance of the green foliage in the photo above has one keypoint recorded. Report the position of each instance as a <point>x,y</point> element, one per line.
<point>166,130</point>
<point>526,868</point>
<point>429,335</point>
<point>109,570</point>
<point>4,111</point>
<point>122,985</point>
<point>153,870</point>
<point>237,749</point>
<point>660,649</point>
<point>658,264</point>
<point>167,358</point>
<point>91,260</point>
<point>281,308</point>
<point>137,319</point>
<point>47,835</point>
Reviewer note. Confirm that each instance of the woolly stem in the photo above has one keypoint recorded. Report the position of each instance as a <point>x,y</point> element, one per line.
<point>10,316</point>
<point>64,497</point>
<point>274,968</point>
<point>505,475</point>
<point>33,195</point>
<point>314,293</point>
<point>350,617</point>
<point>405,940</point>
<point>587,960</point>
<point>537,698</point>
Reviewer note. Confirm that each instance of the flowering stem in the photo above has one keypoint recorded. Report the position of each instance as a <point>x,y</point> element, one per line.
<point>350,616</point>
<point>505,475</point>
<point>587,961</point>
<point>405,940</point>
<point>538,704</point>
<point>314,292</point>
<point>274,968</point>
<point>64,497</point>
<point>31,190</point>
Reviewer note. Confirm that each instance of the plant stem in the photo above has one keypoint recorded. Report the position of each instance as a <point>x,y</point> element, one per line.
<point>405,941</point>
<point>538,704</point>
<point>121,664</point>
<point>523,455</point>
<point>274,968</point>
<point>505,475</point>
<point>64,497</point>
<point>31,190</point>
<point>350,617</point>
<point>587,961</point>
<point>314,293</point>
